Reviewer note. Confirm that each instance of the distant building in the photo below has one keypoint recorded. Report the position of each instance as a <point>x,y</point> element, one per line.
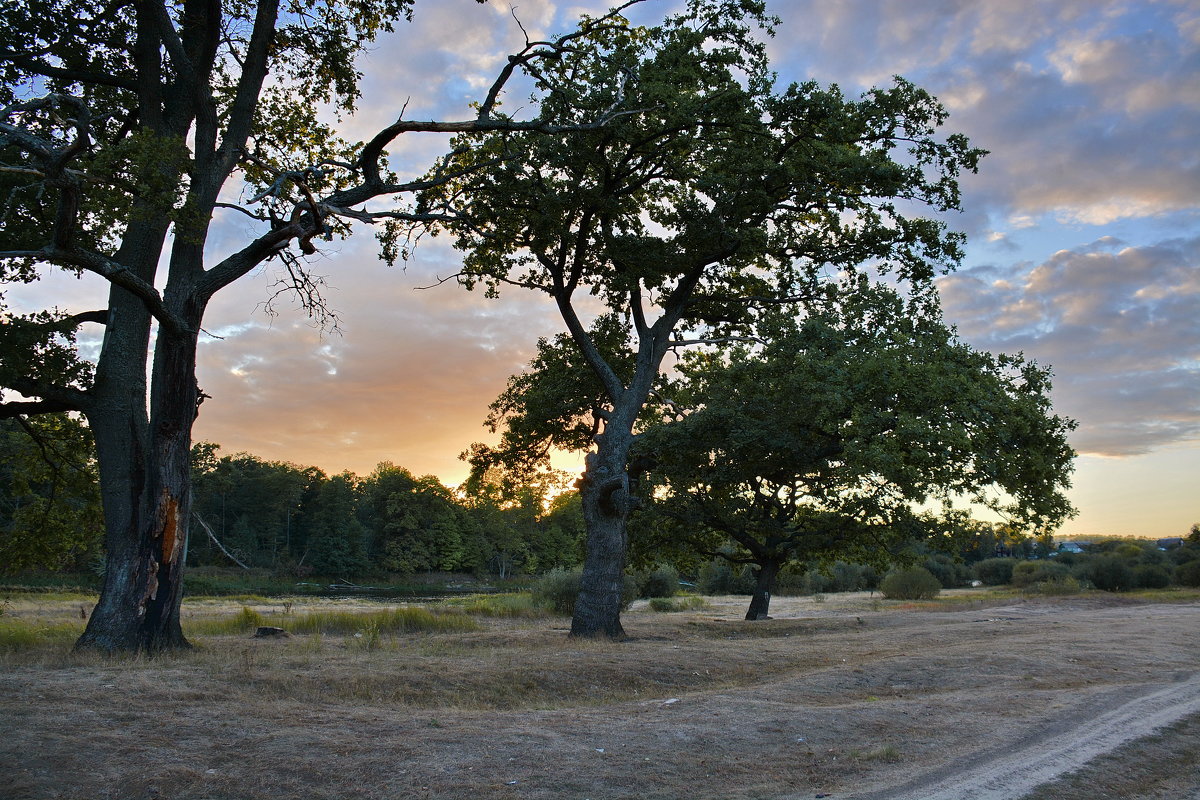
<point>1072,547</point>
<point>1170,543</point>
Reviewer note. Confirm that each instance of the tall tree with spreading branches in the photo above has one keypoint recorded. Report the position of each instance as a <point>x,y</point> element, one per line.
<point>726,196</point>
<point>125,129</point>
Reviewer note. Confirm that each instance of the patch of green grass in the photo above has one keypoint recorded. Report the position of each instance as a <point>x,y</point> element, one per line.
<point>506,604</point>
<point>886,753</point>
<point>244,621</point>
<point>409,619</point>
<point>71,582</point>
<point>682,603</point>
<point>19,636</point>
<point>371,624</point>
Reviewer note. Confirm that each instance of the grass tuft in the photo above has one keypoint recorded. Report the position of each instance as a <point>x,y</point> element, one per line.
<point>408,619</point>
<point>684,603</point>
<point>507,604</point>
<point>20,636</point>
<point>886,753</point>
<point>244,621</point>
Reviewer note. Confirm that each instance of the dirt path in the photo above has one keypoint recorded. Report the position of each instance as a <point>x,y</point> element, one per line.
<point>1058,748</point>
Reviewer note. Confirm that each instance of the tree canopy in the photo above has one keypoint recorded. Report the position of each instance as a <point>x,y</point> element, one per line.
<point>842,433</point>
<point>722,197</point>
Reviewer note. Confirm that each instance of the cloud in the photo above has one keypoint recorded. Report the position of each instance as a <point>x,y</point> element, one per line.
<point>408,380</point>
<point>1089,108</point>
<point>1117,324</point>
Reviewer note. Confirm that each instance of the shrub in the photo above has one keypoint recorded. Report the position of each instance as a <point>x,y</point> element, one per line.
<point>1128,551</point>
<point>1188,573</point>
<point>1055,586</point>
<point>914,583</point>
<point>662,582</point>
<point>852,577</point>
<point>1109,573</point>
<point>557,590</point>
<point>1028,573</point>
<point>995,571</point>
<point>817,582</point>
<point>1151,576</point>
<point>719,577</point>
<point>950,574</point>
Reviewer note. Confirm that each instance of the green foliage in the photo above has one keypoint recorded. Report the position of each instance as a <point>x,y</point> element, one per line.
<point>414,523</point>
<point>556,591</point>
<point>661,582</point>
<point>259,510</point>
<point>1188,573</point>
<point>50,515</point>
<point>1151,576</point>
<point>1107,572</point>
<point>1027,573</point>
<point>336,539</point>
<point>783,446</point>
<point>1055,586</point>
<point>914,583</point>
<point>720,577</point>
<point>951,574</point>
<point>995,571</point>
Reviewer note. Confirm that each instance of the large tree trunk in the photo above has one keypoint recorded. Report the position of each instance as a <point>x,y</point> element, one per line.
<point>606,504</point>
<point>146,484</point>
<point>764,584</point>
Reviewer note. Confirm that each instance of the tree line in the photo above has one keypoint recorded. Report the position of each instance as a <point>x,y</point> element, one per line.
<point>288,519</point>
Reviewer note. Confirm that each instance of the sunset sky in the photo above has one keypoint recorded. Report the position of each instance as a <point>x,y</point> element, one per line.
<point>1083,225</point>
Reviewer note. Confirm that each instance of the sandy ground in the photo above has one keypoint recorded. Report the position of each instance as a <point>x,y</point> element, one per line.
<point>974,697</point>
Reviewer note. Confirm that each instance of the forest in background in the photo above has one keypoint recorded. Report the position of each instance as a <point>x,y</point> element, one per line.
<point>288,526</point>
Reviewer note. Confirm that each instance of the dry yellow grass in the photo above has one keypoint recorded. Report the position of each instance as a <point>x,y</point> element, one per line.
<point>839,696</point>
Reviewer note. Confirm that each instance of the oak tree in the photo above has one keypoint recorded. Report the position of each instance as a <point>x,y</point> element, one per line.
<point>840,434</point>
<point>724,196</point>
<point>125,130</point>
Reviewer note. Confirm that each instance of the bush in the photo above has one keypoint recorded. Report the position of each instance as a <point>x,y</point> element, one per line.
<point>1188,573</point>
<point>662,582</point>
<point>852,577</point>
<point>1109,573</point>
<point>719,577</point>
<point>1151,576</point>
<point>950,574</point>
<point>1028,573</point>
<point>915,583</point>
<point>1063,585</point>
<point>557,590</point>
<point>995,571</point>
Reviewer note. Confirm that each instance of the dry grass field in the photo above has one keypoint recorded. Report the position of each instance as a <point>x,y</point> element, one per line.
<point>979,694</point>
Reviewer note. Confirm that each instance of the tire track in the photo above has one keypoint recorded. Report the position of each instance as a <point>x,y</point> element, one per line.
<point>1064,746</point>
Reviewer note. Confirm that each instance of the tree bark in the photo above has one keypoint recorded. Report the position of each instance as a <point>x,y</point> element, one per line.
<point>147,511</point>
<point>764,584</point>
<point>144,463</point>
<point>606,504</point>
